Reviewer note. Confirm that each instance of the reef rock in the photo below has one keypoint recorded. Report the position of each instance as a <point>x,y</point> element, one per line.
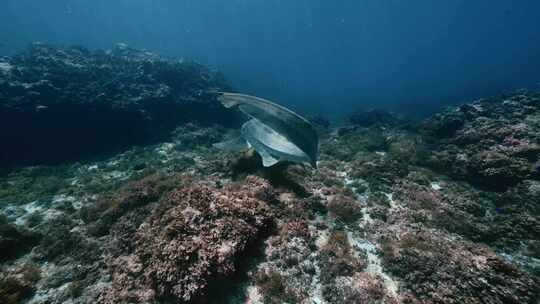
<point>14,241</point>
<point>61,104</point>
<point>190,241</point>
<point>493,142</point>
<point>438,269</point>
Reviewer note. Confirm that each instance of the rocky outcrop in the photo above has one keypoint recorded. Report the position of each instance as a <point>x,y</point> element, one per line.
<point>439,269</point>
<point>62,104</point>
<point>18,284</point>
<point>391,215</point>
<point>494,142</point>
<point>14,241</point>
<point>190,240</point>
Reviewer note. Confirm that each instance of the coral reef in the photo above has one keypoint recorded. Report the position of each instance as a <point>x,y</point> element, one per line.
<point>66,103</point>
<point>345,209</point>
<point>14,240</point>
<point>290,264</point>
<point>495,144</point>
<point>194,237</point>
<point>444,211</point>
<point>71,222</point>
<point>107,210</point>
<point>439,269</point>
<point>18,284</point>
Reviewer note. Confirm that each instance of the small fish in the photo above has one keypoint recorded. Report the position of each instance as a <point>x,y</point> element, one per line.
<point>275,132</point>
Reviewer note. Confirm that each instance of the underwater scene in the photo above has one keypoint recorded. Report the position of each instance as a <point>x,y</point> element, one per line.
<point>270,151</point>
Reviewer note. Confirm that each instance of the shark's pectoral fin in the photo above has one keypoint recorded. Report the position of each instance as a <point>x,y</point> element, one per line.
<point>268,160</point>
<point>233,145</point>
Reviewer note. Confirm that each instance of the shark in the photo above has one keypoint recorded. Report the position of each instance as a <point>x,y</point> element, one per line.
<point>276,133</point>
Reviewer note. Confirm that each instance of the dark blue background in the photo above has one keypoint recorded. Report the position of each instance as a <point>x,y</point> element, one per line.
<point>326,56</point>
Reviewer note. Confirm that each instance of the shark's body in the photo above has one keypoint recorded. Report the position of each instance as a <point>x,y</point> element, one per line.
<point>275,132</point>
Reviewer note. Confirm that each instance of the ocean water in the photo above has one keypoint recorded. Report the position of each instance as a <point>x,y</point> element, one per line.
<point>269,151</point>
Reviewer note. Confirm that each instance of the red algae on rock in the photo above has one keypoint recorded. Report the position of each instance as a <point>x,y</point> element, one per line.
<point>493,143</point>
<point>438,269</point>
<point>193,237</point>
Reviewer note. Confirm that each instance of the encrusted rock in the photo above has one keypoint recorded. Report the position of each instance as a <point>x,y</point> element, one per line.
<point>493,143</point>
<point>67,103</point>
<point>192,238</point>
<point>15,241</point>
<point>438,269</point>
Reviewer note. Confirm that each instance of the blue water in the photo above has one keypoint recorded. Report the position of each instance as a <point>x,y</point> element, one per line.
<point>313,55</point>
<point>120,179</point>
